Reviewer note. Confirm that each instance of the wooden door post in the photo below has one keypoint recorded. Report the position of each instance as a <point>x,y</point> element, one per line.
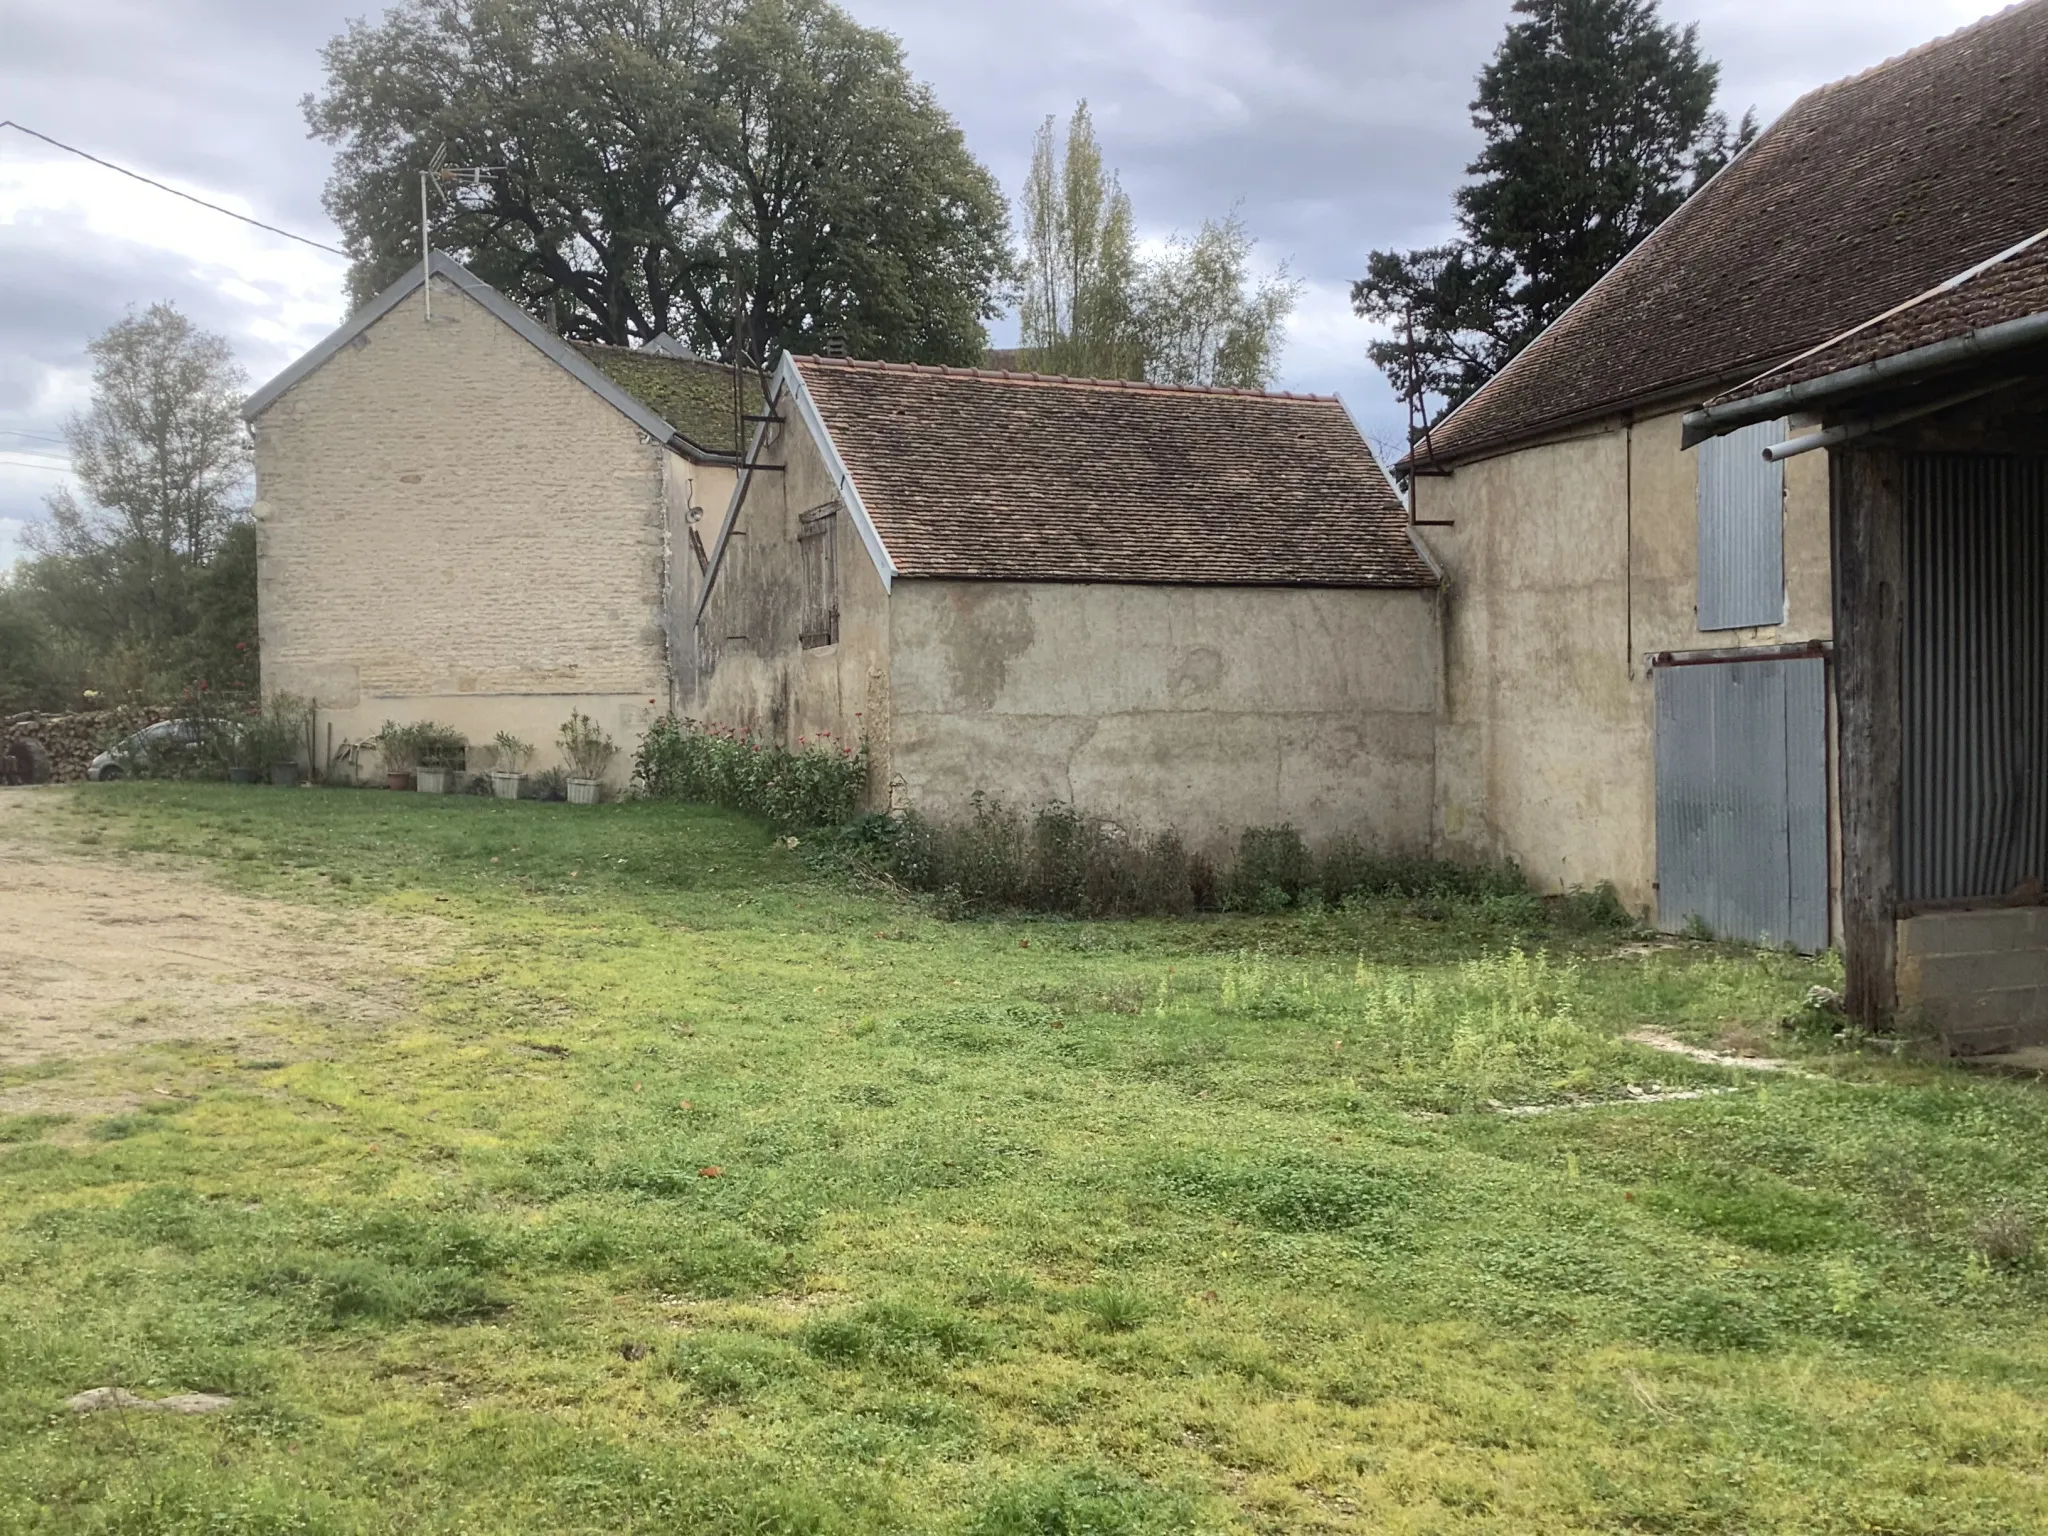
<point>1868,514</point>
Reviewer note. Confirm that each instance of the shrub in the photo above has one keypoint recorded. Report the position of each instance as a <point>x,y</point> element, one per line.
<point>1273,869</point>
<point>819,784</point>
<point>585,748</point>
<point>1064,862</point>
<point>513,754</point>
<point>440,746</point>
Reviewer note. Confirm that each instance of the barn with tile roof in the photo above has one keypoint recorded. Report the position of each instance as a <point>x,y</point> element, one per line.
<point>1745,555</point>
<point>1190,609</point>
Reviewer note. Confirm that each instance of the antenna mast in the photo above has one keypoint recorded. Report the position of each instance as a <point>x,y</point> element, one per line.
<point>443,176</point>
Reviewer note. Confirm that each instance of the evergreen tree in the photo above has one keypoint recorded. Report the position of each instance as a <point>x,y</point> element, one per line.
<point>1599,120</point>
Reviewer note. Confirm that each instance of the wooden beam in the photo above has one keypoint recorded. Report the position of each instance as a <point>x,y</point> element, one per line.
<point>1867,486</point>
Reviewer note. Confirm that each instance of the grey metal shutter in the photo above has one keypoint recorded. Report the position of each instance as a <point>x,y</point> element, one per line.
<point>1742,832</point>
<point>1742,530</point>
<point>1973,793</point>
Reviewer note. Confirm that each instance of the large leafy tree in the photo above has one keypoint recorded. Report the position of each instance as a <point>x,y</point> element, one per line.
<point>669,165</point>
<point>1194,313</point>
<point>1599,120</point>
<point>146,581</point>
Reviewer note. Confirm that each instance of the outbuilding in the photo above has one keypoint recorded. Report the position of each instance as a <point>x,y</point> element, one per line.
<point>1742,560</point>
<point>1191,609</point>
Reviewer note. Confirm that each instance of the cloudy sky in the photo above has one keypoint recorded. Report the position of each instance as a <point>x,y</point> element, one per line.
<point>1336,125</point>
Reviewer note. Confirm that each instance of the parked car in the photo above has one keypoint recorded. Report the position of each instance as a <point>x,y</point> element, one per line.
<point>118,761</point>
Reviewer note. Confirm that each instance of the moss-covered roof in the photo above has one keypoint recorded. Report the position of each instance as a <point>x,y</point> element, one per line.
<point>692,394</point>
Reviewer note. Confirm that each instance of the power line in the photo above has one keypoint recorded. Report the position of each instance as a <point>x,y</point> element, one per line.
<point>73,149</point>
<point>41,437</point>
<point>45,464</point>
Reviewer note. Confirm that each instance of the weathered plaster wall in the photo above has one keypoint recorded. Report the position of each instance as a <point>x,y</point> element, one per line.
<point>450,527</point>
<point>1203,709</point>
<point>1570,563</point>
<point>753,670</point>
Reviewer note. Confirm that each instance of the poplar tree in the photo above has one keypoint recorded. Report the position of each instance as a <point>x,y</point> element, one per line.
<point>1195,313</point>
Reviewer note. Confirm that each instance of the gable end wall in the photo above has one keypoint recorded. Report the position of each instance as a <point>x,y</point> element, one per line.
<point>451,527</point>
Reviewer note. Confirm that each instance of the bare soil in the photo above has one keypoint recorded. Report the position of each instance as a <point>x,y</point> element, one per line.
<point>102,953</point>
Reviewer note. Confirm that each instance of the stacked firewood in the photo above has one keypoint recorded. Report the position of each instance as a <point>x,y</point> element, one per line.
<point>36,747</point>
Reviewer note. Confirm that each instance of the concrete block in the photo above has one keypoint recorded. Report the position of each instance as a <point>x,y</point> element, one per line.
<point>1933,977</point>
<point>1985,931</point>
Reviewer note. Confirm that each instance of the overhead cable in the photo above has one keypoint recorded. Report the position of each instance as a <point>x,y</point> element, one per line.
<point>72,149</point>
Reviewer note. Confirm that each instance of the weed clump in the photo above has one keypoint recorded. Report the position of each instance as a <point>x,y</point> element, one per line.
<point>2005,1240</point>
<point>820,784</point>
<point>1065,863</point>
<point>1079,1502</point>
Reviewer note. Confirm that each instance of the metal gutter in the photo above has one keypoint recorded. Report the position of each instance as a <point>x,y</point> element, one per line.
<point>1955,352</point>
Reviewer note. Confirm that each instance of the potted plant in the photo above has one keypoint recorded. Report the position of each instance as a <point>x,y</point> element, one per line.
<point>510,774</point>
<point>399,746</point>
<point>272,741</point>
<point>589,752</point>
<point>443,753</point>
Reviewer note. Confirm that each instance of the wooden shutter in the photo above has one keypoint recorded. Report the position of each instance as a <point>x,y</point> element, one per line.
<point>818,548</point>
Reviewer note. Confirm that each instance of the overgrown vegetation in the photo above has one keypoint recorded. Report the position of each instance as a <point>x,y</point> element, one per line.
<point>697,1191</point>
<point>1061,861</point>
<point>818,784</point>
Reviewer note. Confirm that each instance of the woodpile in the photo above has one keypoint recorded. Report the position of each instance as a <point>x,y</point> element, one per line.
<point>37,748</point>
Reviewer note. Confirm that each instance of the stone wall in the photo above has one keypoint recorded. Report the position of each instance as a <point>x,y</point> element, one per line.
<point>1979,978</point>
<point>754,672</point>
<point>452,527</point>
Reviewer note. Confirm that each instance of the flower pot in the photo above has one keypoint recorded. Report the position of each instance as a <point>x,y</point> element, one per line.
<point>284,775</point>
<point>584,791</point>
<point>241,775</point>
<point>398,781</point>
<point>434,781</point>
<point>506,785</point>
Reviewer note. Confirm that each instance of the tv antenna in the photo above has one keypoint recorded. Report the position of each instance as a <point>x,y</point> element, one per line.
<point>451,181</point>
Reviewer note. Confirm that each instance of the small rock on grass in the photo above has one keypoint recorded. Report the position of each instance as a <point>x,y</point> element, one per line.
<point>99,1398</point>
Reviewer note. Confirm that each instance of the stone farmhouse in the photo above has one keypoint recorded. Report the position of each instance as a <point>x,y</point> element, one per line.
<point>463,518</point>
<point>1762,640</point>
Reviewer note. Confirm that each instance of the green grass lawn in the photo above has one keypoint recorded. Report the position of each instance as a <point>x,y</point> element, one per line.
<point>702,1192</point>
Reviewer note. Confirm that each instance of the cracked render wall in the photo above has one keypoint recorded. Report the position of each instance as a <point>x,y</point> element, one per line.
<point>1203,709</point>
<point>1567,564</point>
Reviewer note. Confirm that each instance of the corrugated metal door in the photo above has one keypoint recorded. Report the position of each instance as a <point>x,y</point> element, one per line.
<point>1742,835</point>
<point>1973,793</point>
<point>1742,530</point>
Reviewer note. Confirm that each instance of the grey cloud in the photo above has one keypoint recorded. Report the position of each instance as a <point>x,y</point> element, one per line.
<point>1336,125</point>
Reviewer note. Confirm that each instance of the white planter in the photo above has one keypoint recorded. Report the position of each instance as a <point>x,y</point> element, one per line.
<point>584,791</point>
<point>434,781</point>
<point>506,785</point>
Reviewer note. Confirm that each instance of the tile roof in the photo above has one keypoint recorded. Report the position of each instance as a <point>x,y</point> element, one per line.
<point>692,394</point>
<point>1863,194</point>
<point>974,474</point>
<point>2011,290</point>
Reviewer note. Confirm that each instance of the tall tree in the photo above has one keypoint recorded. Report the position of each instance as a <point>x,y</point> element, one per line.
<point>1599,120</point>
<point>1079,264</point>
<point>1192,314</point>
<point>163,458</point>
<point>660,164</point>
<point>1203,317</point>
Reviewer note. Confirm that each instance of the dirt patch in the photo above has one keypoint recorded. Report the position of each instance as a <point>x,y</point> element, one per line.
<point>101,954</point>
